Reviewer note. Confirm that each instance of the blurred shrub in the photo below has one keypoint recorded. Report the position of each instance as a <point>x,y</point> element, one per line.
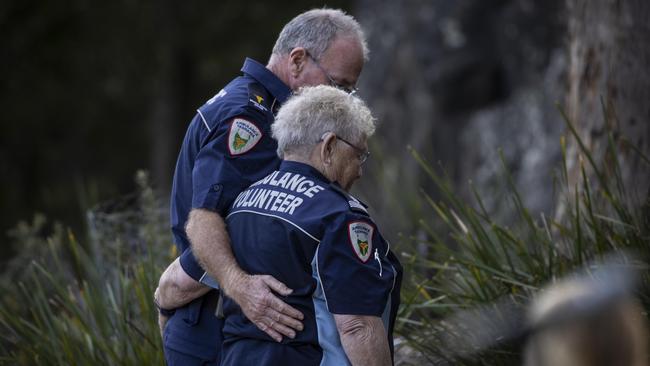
<point>71,302</point>
<point>463,262</point>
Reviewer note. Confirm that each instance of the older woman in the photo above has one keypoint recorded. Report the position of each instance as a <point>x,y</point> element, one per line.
<point>300,225</point>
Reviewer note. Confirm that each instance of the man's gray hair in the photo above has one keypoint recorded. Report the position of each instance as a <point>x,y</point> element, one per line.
<point>304,119</point>
<point>315,30</point>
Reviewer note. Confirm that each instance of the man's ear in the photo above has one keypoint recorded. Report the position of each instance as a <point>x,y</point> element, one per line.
<point>327,148</point>
<point>297,60</point>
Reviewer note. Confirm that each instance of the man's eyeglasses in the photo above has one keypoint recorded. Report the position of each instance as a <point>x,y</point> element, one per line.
<point>363,154</point>
<point>348,89</point>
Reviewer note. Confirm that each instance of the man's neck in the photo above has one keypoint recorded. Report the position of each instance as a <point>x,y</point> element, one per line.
<point>275,65</point>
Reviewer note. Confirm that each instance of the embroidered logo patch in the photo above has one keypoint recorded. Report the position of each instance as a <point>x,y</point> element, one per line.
<point>243,136</point>
<point>360,234</point>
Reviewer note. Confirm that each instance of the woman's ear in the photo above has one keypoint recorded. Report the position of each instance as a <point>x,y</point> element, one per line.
<point>297,60</point>
<point>327,148</point>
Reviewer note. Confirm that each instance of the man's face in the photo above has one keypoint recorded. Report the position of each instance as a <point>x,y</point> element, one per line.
<point>342,62</point>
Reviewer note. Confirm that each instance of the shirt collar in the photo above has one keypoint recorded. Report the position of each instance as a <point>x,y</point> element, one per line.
<point>302,168</point>
<point>272,83</point>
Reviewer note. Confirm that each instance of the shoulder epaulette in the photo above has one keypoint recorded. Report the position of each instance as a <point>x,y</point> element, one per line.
<point>355,204</point>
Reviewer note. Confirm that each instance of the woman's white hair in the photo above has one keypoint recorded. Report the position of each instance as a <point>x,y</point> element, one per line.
<point>316,29</point>
<point>303,120</point>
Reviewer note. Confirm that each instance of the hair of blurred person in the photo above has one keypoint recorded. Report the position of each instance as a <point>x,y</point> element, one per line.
<point>575,326</point>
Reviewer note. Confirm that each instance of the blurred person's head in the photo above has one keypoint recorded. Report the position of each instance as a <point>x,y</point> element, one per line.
<point>320,46</point>
<point>576,325</point>
<point>326,128</point>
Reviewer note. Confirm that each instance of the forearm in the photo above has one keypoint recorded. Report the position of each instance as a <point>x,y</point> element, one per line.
<point>176,288</point>
<point>211,247</point>
<point>364,340</point>
<point>253,293</point>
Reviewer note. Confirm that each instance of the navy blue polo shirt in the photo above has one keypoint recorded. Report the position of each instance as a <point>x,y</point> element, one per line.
<point>317,239</point>
<point>227,147</point>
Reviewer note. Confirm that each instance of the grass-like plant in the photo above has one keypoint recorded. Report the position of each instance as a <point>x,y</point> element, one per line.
<point>90,303</point>
<point>464,304</point>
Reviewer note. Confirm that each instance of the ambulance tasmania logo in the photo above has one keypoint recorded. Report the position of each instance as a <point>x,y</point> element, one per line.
<point>243,136</point>
<point>360,234</point>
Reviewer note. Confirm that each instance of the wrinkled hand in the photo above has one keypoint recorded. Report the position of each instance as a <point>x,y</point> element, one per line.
<point>254,294</point>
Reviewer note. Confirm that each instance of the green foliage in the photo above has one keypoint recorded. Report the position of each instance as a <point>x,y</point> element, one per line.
<point>65,302</point>
<point>471,265</point>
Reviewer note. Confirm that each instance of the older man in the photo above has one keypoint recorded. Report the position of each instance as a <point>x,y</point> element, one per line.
<point>301,225</point>
<point>226,148</point>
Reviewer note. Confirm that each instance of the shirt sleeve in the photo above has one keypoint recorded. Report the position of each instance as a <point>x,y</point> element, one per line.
<point>190,265</point>
<point>225,163</point>
<point>193,269</point>
<point>349,267</point>
<point>221,171</point>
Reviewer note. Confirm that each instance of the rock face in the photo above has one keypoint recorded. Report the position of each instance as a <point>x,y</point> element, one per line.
<point>457,81</point>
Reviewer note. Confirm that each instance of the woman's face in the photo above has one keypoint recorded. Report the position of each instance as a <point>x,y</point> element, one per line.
<point>346,162</point>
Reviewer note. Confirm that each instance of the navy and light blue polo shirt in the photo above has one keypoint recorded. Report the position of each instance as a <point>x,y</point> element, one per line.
<point>318,240</point>
<point>227,147</point>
